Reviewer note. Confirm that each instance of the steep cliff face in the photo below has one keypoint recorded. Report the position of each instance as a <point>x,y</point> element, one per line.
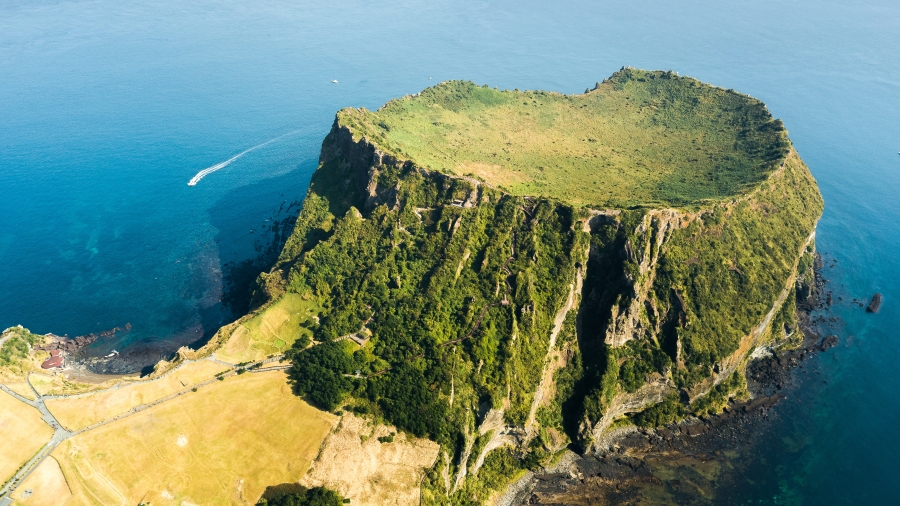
<point>697,292</point>
<point>504,324</point>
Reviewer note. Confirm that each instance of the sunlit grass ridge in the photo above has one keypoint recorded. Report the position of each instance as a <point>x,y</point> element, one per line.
<point>639,138</point>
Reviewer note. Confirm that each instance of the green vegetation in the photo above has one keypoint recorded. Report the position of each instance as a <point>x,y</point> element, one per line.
<point>736,256</point>
<point>318,373</point>
<point>640,358</point>
<point>500,466</point>
<point>639,138</point>
<point>454,286</point>
<point>715,400</point>
<point>785,321</point>
<point>316,496</point>
<point>427,279</point>
<point>669,410</point>
<point>17,345</point>
<point>566,379</point>
<point>272,331</point>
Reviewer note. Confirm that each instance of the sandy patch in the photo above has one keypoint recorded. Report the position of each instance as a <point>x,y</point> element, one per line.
<point>367,471</point>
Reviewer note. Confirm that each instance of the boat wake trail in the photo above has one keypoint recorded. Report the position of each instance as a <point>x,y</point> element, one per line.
<point>221,165</point>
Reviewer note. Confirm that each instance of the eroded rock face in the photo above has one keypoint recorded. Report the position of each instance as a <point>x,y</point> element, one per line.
<point>690,462</point>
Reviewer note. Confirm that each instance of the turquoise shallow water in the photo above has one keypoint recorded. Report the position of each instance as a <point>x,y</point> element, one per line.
<point>106,111</point>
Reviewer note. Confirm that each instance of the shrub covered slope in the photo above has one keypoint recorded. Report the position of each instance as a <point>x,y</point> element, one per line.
<point>526,268</point>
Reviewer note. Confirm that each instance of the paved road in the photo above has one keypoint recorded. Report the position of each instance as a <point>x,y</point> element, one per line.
<point>62,434</point>
<point>58,437</point>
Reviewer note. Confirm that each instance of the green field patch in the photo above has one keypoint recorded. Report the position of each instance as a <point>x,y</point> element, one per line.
<point>272,330</point>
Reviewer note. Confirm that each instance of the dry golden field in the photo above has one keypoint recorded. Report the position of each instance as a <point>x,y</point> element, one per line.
<point>20,387</point>
<point>76,413</point>
<point>47,487</point>
<point>58,384</point>
<point>22,434</point>
<point>223,444</point>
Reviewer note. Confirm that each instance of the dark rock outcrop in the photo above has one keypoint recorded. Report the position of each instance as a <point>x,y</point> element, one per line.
<point>875,305</point>
<point>828,342</point>
<point>74,344</point>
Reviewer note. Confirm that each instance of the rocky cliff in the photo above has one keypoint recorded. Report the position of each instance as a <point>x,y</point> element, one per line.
<point>503,316</point>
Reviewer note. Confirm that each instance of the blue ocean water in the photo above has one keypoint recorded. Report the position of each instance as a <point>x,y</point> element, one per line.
<point>107,109</point>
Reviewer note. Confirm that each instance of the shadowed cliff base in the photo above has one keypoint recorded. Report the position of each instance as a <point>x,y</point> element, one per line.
<point>699,460</point>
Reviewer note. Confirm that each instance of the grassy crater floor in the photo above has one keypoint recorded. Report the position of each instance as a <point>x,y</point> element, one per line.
<point>639,138</point>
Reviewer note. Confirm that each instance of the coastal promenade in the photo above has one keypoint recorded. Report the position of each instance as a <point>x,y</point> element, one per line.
<point>61,433</point>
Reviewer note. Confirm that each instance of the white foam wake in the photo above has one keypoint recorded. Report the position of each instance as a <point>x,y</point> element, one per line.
<point>221,165</point>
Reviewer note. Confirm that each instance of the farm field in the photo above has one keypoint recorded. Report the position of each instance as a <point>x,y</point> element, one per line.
<point>76,413</point>
<point>22,434</point>
<point>223,444</point>
<point>273,330</point>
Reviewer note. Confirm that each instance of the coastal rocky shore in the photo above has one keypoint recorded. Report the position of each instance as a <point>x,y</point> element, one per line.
<point>685,462</point>
<point>141,357</point>
<point>77,343</point>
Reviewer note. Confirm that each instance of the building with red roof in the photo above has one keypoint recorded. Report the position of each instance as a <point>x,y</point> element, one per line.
<point>52,362</point>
